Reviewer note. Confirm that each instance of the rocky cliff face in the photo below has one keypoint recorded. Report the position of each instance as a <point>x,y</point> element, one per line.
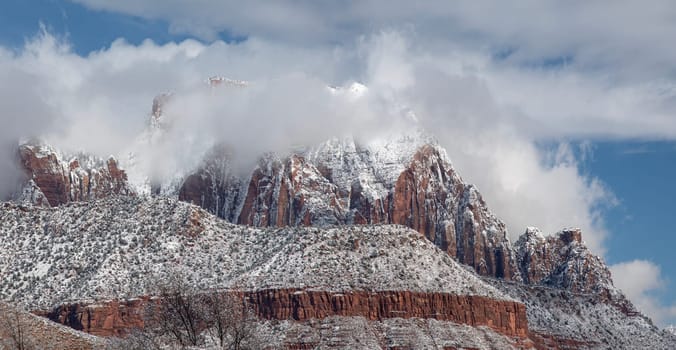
<point>561,261</point>
<point>505,317</point>
<point>53,181</point>
<point>214,186</point>
<point>113,318</point>
<point>407,180</point>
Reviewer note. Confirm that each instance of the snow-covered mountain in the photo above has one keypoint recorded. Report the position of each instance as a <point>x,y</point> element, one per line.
<point>405,179</point>
<point>90,252</point>
<point>318,217</point>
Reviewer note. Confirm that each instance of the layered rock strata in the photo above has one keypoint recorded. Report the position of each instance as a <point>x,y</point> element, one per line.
<point>116,318</point>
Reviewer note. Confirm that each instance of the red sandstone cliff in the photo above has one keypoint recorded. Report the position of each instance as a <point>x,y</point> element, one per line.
<point>53,181</point>
<point>116,317</point>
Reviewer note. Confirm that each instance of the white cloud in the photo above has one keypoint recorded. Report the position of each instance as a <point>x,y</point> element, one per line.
<point>641,281</point>
<point>592,34</point>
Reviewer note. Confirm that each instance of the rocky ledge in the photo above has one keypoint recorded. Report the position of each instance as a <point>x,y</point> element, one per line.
<point>115,318</point>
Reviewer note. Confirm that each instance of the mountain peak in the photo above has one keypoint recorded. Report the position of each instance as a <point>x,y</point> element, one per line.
<point>571,235</point>
<point>561,260</point>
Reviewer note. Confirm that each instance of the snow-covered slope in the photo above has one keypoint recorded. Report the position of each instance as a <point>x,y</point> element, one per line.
<point>358,333</point>
<point>113,248</point>
<point>581,321</point>
<point>22,330</point>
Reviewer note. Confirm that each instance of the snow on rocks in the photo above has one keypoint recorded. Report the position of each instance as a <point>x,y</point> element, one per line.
<point>360,333</point>
<point>582,321</point>
<point>111,248</point>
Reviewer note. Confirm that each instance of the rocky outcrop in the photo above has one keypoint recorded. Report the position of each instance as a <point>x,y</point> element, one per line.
<point>432,199</point>
<point>290,192</point>
<point>112,318</point>
<point>52,181</point>
<point>505,317</point>
<point>562,261</point>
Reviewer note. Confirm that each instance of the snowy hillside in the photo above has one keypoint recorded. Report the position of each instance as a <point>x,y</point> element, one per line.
<point>114,247</point>
<point>582,322</point>
<point>34,332</point>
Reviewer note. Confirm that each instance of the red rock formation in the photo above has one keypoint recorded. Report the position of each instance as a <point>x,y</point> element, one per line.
<point>432,199</point>
<point>279,192</point>
<point>505,317</point>
<point>112,318</point>
<point>47,172</point>
<point>62,182</point>
<point>427,196</point>
<point>562,261</point>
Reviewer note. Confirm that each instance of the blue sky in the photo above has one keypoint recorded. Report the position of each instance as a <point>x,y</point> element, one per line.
<point>551,85</point>
<point>641,174</point>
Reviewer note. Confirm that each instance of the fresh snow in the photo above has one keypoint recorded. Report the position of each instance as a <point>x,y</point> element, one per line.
<point>117,247</point>
<point>581,317</point>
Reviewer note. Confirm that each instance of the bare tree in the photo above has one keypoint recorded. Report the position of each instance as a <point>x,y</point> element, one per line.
<point>231,320</point>
<point>178,313</point>
<point>13,327</point>
<point>184,316</point>
<point>137,339</point>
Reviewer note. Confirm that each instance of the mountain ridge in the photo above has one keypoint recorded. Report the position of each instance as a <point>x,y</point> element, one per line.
<point>340,185</point>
